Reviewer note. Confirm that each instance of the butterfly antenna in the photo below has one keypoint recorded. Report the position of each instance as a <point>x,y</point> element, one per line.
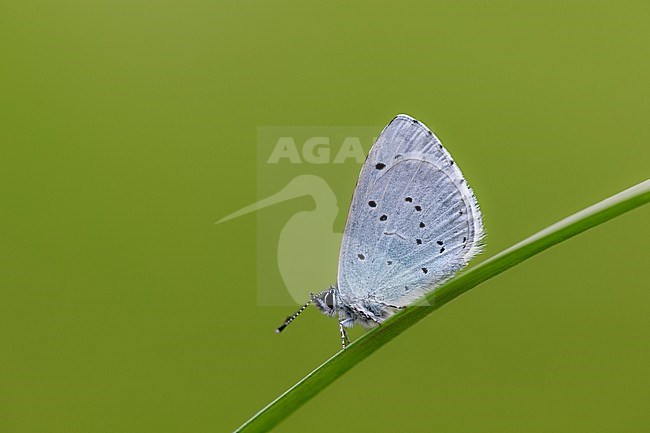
<point>292,317</point>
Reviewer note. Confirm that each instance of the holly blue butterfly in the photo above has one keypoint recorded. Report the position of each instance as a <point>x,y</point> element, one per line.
<point>413,223</point>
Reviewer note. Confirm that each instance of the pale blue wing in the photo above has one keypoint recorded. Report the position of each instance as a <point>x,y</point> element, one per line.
<point>413,221</point>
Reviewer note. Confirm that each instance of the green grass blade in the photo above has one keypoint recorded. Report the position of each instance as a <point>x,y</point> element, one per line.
<point>344,360</point>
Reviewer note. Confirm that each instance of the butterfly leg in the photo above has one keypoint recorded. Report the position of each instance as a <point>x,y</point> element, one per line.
<point>366,315</point>
<point>344,335</point>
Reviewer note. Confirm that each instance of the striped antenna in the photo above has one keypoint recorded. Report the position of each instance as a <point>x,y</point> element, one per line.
<point>292,317</point>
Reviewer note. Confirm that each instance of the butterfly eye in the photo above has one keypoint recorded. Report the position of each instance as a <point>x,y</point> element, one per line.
<point>329,300</point>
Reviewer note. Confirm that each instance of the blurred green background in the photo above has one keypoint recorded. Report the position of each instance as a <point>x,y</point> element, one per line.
<point>127,128</point>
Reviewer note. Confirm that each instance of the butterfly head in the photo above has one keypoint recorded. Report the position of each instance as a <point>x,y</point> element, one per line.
<point>327,301</point>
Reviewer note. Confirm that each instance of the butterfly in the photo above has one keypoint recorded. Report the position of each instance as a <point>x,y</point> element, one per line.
<point>413,223</point>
